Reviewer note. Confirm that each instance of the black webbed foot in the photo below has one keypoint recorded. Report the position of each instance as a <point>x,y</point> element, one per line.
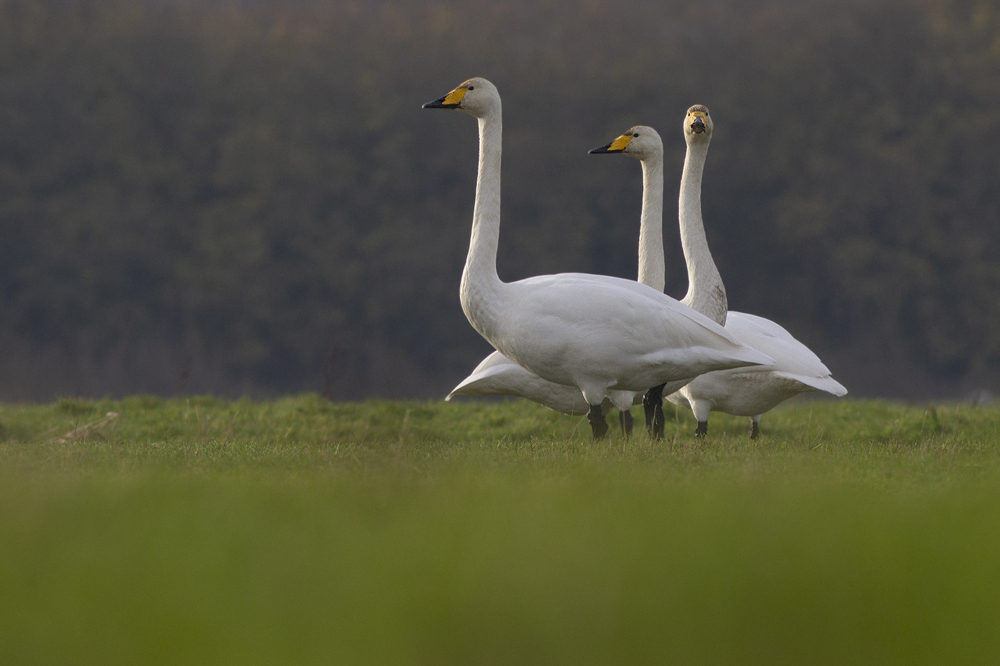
<point>701,430</point>
<point>652,406</point>
<point>598,426</point>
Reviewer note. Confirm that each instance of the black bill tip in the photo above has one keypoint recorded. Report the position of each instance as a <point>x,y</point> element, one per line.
<point>439,104</point>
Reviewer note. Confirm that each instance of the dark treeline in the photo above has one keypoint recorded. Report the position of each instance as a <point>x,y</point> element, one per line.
<point>247,197</point>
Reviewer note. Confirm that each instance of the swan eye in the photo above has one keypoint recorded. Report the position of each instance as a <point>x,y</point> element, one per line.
<point>472,87</point>
<point>635,135</point>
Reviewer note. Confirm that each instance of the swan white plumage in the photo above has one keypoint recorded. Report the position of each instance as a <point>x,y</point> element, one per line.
<point>746,391</point>
<point>594,332</point>
<point>498,375</point>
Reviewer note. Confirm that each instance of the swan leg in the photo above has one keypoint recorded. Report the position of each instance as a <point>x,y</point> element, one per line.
<point>652,406</point>
<point>625,418</point>
<point>598,426</point>
<point>701,409</point>
<point>755,427</point>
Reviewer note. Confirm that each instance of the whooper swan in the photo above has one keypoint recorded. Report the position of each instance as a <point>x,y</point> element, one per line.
<point>498,375</point>
<point>746,391</point>
<point>644,144</point>
<point>594,332</point>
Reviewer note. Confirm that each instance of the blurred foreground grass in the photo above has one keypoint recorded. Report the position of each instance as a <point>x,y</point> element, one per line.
<point>204,531</point>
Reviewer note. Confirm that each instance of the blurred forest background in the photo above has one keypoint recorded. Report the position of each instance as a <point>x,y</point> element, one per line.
<point>246,197</point>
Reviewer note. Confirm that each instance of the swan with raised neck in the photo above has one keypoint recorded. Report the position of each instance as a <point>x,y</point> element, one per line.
<point>644,144</point>
<point>743,391</point>
<point>706,291</point>
<point>498,375</point>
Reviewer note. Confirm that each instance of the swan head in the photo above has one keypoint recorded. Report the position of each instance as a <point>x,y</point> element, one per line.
<point>698,125</point>
<point>640,142</point>
<point>477,97</point>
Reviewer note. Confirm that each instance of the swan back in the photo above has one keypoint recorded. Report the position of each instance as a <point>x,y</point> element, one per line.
<point>619,334</point>
<point>793,360</point>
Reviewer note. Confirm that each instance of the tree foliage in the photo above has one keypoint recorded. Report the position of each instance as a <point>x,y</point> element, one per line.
<point>246,197</point>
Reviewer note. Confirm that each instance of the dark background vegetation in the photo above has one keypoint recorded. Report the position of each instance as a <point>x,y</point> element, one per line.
<point>245,197</point>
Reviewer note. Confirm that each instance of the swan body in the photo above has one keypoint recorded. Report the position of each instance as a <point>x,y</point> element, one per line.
<point>751,392</point>
<point>596,333</point>
<point>741,392</point>
<point>599,333</point>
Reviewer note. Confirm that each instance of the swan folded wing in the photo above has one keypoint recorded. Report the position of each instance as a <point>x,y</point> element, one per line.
<point>791,356</point>
<point>694,361</point>
<point>750,324</point>
<point>484,378</point>
<point>494,360</point>
<point>580,329</point>
<point>498,375</point>
<point>581,298</point>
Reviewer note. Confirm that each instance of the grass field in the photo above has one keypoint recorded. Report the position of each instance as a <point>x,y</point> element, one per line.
<point>203,531</point>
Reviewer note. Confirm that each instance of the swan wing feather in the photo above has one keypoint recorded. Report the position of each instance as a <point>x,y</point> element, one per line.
<point>790,355</point>
<point>498,375</point>
<point>612,333</point>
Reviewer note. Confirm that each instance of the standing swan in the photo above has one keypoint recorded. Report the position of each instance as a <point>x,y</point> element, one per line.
<point>498,375</point>
<point>644,144</point>
<point>594,332</point>
<point>746,391</point>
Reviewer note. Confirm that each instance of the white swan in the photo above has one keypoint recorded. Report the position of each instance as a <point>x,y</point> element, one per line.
<point>746,391</point>
<point>594,332</point>
<point>644,144</point>
<point>498,375</point>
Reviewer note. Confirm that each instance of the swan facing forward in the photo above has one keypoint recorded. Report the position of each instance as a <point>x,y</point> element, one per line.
<point>594,332</point>
<point>746,391</point>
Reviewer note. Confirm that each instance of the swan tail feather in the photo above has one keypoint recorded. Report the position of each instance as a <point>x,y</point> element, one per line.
<point>827,384</point>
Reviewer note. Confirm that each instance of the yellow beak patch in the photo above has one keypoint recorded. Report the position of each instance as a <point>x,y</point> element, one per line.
<point>620,144</point>
<point>455,96</point>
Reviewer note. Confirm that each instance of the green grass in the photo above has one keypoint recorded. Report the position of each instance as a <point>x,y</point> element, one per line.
<point>204,531</point>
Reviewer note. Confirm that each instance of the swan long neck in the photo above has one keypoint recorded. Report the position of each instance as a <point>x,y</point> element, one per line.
<point>651,263</point>
<point>480,282</point>
<point>706,291</point>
